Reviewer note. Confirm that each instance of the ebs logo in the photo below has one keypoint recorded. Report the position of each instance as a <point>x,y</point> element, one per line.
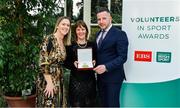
<point>145,56</point>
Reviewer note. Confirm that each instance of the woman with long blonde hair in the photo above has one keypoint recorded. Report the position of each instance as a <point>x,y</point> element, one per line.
<point>50,87</point>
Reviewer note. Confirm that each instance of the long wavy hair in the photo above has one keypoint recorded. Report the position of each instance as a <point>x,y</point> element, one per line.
<point>67,38</point>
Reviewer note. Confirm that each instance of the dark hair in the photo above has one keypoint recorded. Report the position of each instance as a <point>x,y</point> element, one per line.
<point>81,23</point>
<point>102,9</point>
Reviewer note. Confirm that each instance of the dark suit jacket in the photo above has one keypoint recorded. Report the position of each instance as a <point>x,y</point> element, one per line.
<point>113,54</point>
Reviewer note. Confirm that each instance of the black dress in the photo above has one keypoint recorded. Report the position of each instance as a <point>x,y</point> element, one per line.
<point>82,85</point>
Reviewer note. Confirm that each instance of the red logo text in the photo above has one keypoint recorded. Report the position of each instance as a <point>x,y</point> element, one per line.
<point>145,56</point>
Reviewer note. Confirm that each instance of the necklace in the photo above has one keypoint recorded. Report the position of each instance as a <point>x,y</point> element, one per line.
<point>82,45</point>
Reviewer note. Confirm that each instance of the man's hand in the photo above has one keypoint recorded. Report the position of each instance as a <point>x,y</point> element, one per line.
<point>100,69</point>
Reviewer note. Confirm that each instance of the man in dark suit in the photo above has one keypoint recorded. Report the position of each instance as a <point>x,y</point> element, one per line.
<point>112,47</point>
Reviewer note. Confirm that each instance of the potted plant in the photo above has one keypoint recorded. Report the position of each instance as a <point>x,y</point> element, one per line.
<point>18,60</point>
<point>19,51</point>
<point>21,33</point>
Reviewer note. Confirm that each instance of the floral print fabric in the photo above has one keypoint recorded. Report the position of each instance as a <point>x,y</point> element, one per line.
<point>50,64</point>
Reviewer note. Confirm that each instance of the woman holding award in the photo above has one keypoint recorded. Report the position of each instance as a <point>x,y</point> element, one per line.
<point>82,85</point>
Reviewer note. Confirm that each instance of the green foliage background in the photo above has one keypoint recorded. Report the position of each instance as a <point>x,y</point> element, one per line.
<point>23,23</point>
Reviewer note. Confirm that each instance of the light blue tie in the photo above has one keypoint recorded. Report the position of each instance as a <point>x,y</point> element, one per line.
<point>101,38</point>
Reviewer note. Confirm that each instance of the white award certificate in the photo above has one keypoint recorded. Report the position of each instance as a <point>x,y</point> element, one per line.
<point>84,57</point>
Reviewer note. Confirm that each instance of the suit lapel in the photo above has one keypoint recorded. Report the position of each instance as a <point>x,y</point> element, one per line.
<point>107,36</point>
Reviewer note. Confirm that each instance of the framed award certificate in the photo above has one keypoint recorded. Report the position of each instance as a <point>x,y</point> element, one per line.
<point>84,57</point>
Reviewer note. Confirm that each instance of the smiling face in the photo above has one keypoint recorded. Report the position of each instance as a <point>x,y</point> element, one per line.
<point>81,33</point>
<point>63,27</point>
<point>104,19</point>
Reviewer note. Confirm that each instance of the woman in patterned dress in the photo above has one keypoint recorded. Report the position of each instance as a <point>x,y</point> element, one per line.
<point>50,88</point>
<point>82,85</point>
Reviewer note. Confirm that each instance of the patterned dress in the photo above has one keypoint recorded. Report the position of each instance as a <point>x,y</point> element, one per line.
<point>51,55</point>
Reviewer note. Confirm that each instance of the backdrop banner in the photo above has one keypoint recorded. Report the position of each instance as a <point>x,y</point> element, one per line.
<point>153,65</point>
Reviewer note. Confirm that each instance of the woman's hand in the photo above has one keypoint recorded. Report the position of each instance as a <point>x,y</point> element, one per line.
<point>76,64</point>
<point>94,62</point>
<point>50,90</point>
